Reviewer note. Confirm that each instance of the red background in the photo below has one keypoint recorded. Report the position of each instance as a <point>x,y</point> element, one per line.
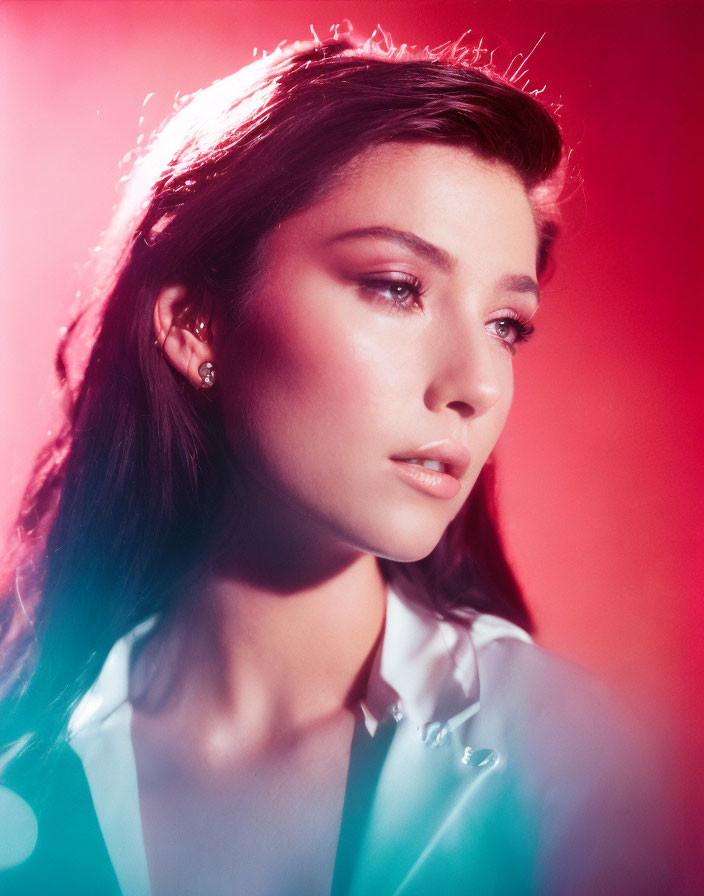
<point>601,484</point>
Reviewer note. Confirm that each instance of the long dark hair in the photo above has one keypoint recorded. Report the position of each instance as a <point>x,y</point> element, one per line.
<point>119,508</point>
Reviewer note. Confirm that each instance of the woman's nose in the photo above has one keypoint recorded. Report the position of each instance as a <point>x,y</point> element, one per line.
<point>467,372</point>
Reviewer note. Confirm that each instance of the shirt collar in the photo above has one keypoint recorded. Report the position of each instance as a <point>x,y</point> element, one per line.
<point>425,669</point>
<point>111,688</point>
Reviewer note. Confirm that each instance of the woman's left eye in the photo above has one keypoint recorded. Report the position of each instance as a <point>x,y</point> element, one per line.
<point>511,330</point>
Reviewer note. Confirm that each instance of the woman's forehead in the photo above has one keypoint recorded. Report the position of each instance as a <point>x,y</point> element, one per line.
<point>442,193</point>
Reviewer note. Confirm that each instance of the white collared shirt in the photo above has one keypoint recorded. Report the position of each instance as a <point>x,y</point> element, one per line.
<point>425,670</point>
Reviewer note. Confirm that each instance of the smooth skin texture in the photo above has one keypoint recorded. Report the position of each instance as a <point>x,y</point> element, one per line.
<point>344,372</point>
<point>356,347</point>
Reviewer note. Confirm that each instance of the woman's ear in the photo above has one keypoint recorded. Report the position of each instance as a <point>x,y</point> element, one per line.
<point>182,325</point>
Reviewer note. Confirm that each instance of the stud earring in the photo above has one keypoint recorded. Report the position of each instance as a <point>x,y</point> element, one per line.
<point>206,372</point>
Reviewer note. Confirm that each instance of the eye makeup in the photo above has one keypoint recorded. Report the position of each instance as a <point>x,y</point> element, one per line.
<point>401,292</point>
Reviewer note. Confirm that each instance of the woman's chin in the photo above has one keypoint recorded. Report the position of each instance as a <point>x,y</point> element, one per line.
<point>405,545</point>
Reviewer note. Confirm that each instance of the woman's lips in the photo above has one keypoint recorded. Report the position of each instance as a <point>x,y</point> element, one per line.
<point>431,482</point>
<point>452,456</point>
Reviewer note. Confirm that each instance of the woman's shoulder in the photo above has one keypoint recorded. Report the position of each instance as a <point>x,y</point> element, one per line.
<point>561,720</point>
<point>527,679</point>
<point>584,766</point>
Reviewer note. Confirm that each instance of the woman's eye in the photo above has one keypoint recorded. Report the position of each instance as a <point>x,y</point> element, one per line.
<point>511,330</point>
<point>402,294</point>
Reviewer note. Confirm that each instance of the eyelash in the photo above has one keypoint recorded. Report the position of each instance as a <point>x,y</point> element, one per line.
<point>521,329</point>
<point>377,285</point>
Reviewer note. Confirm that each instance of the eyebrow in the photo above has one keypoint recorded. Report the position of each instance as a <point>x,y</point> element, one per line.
<point>438,257</point>
<point>519,283</point>
<point>434,254</point>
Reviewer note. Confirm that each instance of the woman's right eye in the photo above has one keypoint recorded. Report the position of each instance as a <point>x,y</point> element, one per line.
<point>402,294</point>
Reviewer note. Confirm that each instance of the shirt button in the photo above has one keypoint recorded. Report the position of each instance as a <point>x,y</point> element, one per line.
<point>434,734</point>
<point>480,758</point>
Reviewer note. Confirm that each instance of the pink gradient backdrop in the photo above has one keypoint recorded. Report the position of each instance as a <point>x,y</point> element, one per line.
<point>601,483</point>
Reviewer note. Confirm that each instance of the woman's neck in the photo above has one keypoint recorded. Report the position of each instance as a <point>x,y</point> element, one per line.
<point>306,647</point>
<point>251,663</point>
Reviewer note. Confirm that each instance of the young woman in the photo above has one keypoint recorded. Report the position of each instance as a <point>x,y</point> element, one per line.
<point>261,635</point>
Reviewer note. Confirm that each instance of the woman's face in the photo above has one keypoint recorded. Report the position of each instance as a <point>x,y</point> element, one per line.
<point>382,332</point>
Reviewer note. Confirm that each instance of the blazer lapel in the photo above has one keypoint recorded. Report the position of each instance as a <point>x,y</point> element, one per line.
<point>367,758</point>
<point>407,802</point>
